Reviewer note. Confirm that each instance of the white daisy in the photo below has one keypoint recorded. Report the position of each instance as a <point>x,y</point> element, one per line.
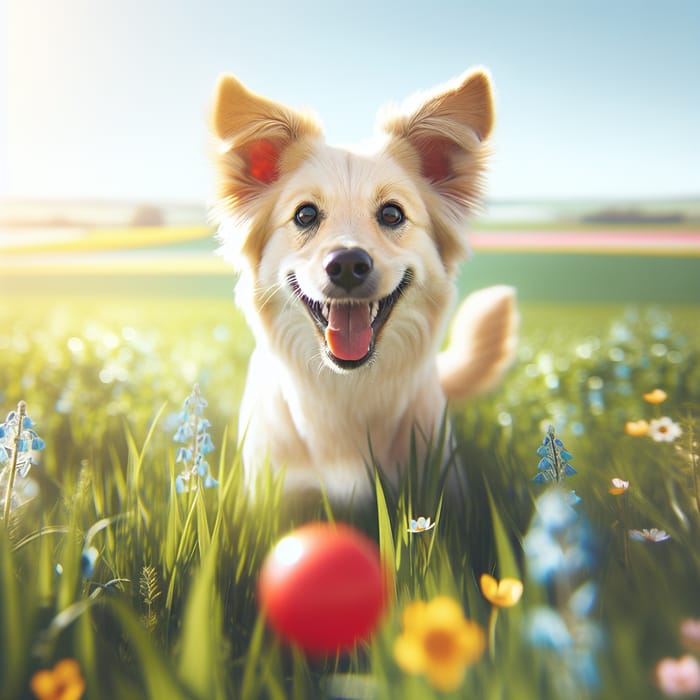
<point>652,535</point>
<point>664,430</point>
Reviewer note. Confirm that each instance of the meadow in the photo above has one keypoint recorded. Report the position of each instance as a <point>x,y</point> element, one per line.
<point>151,592</point>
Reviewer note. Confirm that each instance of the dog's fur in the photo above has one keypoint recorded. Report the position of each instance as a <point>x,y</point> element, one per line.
<point>305,409</point>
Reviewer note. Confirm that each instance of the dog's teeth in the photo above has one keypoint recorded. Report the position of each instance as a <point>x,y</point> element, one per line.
<point>373,311</point>
<point>325,310</point>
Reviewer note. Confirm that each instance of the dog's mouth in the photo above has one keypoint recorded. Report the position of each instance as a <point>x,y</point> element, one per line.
<point>350,328</point>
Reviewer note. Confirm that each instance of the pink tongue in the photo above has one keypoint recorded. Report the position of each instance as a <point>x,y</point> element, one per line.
<point>349,332</point>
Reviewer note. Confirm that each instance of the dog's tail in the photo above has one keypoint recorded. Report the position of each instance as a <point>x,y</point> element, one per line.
<point>483,342</point>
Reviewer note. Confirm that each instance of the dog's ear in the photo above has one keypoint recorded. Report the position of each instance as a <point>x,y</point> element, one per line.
<point>447,125</point>
<point>443,137</point>
<point>254,135</point>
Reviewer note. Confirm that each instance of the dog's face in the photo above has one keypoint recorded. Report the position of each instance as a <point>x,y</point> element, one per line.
<point>349,256</point>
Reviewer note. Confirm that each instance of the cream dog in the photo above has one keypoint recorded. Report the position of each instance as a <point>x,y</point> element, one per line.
<point>347,263</point>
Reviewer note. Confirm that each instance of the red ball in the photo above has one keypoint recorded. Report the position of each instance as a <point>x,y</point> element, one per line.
<point>323,588</point>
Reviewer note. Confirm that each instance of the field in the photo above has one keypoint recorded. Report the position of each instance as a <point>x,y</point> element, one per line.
<point>153,592</point>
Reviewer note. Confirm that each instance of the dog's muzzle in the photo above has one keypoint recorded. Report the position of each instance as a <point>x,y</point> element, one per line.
<point>349,323</point>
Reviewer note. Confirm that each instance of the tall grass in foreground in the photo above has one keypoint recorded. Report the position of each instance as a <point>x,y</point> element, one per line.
<point>150,586</point>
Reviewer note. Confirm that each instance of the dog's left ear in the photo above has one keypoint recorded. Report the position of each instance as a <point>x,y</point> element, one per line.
<point>443,138</point>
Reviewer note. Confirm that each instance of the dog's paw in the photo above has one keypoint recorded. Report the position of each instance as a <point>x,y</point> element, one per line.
<point>483,342</point>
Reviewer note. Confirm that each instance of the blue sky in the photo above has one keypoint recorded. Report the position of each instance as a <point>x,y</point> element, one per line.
<point>109,99</point>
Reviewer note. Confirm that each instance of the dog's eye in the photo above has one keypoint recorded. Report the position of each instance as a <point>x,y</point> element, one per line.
<point>306,215</point>
<point>390,215</point>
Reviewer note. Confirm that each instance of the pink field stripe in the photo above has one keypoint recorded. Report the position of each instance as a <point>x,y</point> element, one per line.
<point>605,242</point>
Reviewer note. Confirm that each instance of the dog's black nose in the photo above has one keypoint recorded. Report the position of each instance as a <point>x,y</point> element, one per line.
<point>348,267</point>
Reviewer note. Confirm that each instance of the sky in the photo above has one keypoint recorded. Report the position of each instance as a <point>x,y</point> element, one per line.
<point>110,99</point>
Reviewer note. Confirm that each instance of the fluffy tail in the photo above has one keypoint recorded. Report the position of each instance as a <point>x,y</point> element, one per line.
<point>483,343</point>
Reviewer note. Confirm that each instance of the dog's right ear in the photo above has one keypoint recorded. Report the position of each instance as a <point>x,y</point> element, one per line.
<point>254,137</point>
<point>442,137</point>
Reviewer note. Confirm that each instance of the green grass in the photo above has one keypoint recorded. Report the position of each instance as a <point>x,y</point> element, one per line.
<point>587,278</point>
<point>170,609</point>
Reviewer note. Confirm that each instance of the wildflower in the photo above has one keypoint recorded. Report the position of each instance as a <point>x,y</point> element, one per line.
<point>664,430</point>
<point>501,594</point>
<point>652,535</point>
<point>618,486</point>
<point>690,634</point>
<point>18,442</point>
<point>88,559</point>
<point>546,629</point>
<point>17,432</point>
<point>558,552</point>
<point>192,432</point>
<point>637,428</point>
<point>555,510</point>
<point>569,643</point>
<point>504,593</point>
<point>420,525</point>
<point>554,465</point>
<point>656,396</point>
<point>678,677</point>
<point>438,642</point>
<point>63,682</point>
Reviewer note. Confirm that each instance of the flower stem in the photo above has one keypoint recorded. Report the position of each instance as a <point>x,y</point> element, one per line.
<point>22,412</point>
<point>622,507</point>
<point>492,632</point>
<point>694,461</point>
<point>696,480</point>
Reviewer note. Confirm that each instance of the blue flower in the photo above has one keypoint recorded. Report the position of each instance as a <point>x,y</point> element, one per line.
<point>38,444</point>
<point>583,599</point>
<point>18,442</point>
<point>210,482</point>
<point>192,432</point>
<point>183,433</point>
<point>545,555</point>
<point>559,555</point>
<point>202,466</point>
<point>182,482</point>
<point>183,454</point>
<point>554,463</point>
<point>88,559</point>
<point>195,402</point>
<point>206,445</point>
<point>554,511</point>
<point>546,629</point>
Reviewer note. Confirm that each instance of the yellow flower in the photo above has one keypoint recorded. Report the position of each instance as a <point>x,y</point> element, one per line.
<point>504,593</point>
<point>63,682</point>
<point>656,396</point>
<point>438,642</point>
<point>618,486</point>
<point>637,428</point>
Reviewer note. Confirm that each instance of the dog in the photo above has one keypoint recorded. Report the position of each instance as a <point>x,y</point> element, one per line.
<point>347,261</point>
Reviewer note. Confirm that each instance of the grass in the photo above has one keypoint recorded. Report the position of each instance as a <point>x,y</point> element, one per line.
<point>168,608</point>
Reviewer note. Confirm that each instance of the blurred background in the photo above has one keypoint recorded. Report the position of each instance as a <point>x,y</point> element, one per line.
<point>593,192</point>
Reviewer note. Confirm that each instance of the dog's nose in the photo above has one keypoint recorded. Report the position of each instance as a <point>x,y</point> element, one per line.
<point>348,267</point>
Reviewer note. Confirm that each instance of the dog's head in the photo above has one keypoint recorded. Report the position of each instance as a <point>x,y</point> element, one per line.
<point>350,252</point>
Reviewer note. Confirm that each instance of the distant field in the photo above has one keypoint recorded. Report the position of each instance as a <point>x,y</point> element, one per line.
<point>612,264</point>
<point>576,278</point>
